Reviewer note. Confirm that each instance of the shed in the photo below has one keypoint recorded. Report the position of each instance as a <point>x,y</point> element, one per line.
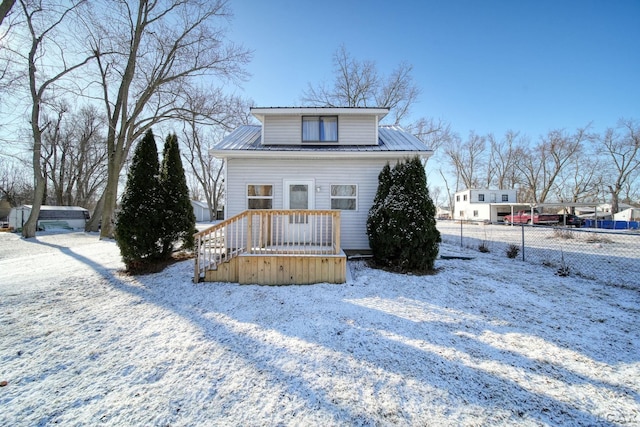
<point>631,214</point>
<point>58,217</point>
<point>201,211</point>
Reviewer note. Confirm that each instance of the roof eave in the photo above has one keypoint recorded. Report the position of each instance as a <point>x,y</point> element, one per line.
<point>261,112</point>
<point>247,154</point>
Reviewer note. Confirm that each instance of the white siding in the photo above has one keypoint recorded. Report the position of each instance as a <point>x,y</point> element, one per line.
<point>364,173</point>
<point>283,130</point>
<point>357,130</point>
<point>352,130</point>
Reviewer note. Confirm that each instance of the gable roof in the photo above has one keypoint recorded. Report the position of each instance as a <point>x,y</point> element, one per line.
<point>246,141</point>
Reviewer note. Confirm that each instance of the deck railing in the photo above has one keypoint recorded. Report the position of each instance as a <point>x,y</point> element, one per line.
<point>268,232</point>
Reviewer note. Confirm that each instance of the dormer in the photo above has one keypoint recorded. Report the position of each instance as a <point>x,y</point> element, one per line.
<point>319,126</point>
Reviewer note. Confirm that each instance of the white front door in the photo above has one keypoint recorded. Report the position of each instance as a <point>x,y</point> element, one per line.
<point>298,194</point>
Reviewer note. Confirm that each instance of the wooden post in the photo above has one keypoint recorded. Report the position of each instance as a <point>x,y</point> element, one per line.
<point>336,231</point>
<point>249,232</point>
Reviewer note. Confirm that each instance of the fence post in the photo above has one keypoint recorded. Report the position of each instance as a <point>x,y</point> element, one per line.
<point>523,241</point>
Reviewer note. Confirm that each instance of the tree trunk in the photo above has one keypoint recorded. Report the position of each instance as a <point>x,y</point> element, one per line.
<point>94,222</point>
<point>109,199</point>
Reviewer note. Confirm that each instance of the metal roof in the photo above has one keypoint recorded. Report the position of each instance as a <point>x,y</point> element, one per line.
<point>391,139</point>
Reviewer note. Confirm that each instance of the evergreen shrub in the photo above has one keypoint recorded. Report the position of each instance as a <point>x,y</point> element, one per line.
<point>401,225</point>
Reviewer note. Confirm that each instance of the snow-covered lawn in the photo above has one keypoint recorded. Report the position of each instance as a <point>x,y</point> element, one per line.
<point>485,341</point>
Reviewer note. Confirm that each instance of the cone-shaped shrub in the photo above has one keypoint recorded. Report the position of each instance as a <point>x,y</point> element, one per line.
<point>179,221</point>
<point>401,225</point>
<point>138,228</point>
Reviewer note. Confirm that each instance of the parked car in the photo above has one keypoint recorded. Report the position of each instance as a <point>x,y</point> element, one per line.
<point>571,220</point>
<point>524,217</point>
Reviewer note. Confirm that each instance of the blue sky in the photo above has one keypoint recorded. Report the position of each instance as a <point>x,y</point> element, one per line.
<point>486,66</point>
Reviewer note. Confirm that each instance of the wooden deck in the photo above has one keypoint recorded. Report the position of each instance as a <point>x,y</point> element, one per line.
<point>285,247</point>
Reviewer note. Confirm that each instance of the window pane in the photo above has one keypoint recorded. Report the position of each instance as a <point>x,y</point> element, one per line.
<point>260,190</point>
<point>299,196</point>
<point>259,203</point>
<point>329,129</point>
<point>343,190</point>
<point>343,204</point>
<point>310,129</point>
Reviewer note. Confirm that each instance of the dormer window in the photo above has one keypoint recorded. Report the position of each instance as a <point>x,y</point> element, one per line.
<point>319,129</point>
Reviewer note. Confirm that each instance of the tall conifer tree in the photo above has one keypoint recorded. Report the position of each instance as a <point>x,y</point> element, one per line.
<point>401,225</point>
<point>138,232</point>
<point>179,220</point>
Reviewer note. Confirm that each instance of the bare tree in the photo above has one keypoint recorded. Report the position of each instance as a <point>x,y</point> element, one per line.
<point>434,133</point>
<point>358,84</point>
<point>208,117</point>
<point>467,159</point>
<point>579,179</point>
<point>148,55</point>
<point>622,146</point>
<point>48,62</point>
<point>74,155</point>
<point>502,160</point>
<point>450,194</point>
<point>541,165</point>
<point>15,187</point>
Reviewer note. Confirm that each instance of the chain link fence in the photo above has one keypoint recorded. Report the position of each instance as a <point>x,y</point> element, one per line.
<point>612,257</point>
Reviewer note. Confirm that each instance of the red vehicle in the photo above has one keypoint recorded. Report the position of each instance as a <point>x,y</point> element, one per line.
<point>525,217</point>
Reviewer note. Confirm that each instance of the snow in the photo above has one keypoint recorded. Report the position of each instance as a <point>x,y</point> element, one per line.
<point>484,341</point>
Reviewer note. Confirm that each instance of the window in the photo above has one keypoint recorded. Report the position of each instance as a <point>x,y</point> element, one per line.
<point>461,214</point>
<point>320,129</point>
<point>481,197</point>
<point>344,197</point>
<point>464,197</point>
<point>505,197</point>
<point>259,196</point>
<point>458,198</point>
<point>493,197</point>
<point>475,214</point>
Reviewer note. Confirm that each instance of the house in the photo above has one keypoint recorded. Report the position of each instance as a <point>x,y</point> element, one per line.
<point>485,205</point>
<point>322,163</point>
<point>203,213</point>
<point>50,217</point>
<point>443,212</point>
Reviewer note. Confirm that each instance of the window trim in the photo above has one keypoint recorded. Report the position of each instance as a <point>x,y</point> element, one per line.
<point>248,197</point>
<point>318,118</point>
<point>331,197</point>
<point>481,197</point>
<point>505,197</point>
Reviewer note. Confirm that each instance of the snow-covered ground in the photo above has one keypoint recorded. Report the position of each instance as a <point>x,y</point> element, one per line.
<point>487,341</point>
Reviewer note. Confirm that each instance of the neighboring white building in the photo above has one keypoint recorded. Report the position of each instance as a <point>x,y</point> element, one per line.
<point>443,212</point>
<point>485,205</point>
<point>201,211</point>
<point>630,214</point>
<point>313,158</point>
<point>73,217</point>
